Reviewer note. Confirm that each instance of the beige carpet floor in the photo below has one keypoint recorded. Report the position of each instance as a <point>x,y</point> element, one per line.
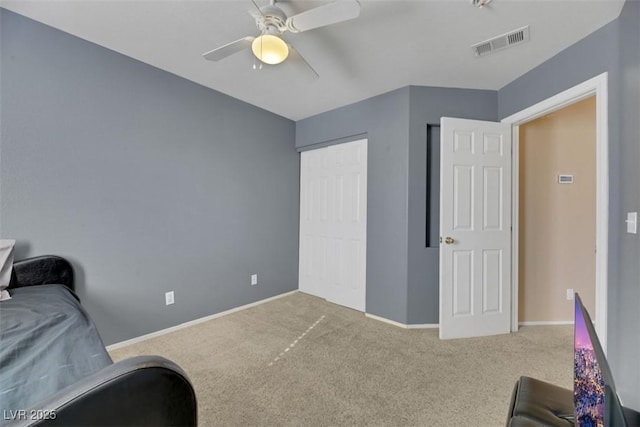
<point>300,361</point>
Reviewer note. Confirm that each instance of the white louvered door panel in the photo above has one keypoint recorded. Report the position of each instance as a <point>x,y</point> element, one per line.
<point>475,212</point>
<point>333,223</point>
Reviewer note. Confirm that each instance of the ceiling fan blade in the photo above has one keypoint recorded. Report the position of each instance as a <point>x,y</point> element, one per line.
<point>259,11</point>
<point>293,53</point>
<point>332,13</point>
<point>228,49</point>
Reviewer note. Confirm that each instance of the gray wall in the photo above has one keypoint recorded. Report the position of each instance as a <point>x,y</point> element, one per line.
<point>427,106</point>
<point>402,274</point>
<point>384,120</point>
<point>624,314</point>
<point>614,48</point>
<point>146,181</point>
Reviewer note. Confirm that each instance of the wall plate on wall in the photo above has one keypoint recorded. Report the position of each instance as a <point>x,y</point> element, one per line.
<point>632,222</point>
<point>565,179</point>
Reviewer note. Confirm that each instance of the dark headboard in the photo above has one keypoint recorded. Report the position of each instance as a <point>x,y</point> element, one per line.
<point>42,270</point>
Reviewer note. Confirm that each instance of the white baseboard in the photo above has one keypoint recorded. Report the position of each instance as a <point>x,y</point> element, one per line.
<point>192,322</point>
<point>546,323</point>
<point>403,325</point>
<point>436,325</point>
<point>423,326</point>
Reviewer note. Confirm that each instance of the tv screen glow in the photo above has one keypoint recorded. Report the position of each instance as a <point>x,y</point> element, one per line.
<point>588,383</point>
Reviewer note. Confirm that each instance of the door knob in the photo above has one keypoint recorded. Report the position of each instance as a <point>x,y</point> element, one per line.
<point>448,240</point>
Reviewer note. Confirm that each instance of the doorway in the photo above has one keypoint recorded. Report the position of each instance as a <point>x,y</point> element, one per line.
<point>597,86</point>
<point>557,214</point>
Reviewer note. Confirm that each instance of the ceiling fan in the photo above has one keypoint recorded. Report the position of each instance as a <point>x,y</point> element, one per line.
<point>273,22</point>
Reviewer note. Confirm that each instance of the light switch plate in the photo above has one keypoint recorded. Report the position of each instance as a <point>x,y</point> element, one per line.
<point>632,222</point>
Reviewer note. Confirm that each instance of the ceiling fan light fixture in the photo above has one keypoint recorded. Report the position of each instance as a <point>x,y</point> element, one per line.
<point>270,49</point>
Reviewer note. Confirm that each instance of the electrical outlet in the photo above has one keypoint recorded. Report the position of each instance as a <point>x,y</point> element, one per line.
<point>254,279</point>
<point>169,298</point>
<point>570,294</point>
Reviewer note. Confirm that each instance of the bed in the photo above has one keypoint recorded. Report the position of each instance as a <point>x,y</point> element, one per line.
<point>55,370</point>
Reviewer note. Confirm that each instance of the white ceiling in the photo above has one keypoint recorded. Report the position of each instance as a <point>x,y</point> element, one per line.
<point>391,45</point>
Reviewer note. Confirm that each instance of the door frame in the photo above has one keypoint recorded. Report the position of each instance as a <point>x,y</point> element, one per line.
<point>597,86</point>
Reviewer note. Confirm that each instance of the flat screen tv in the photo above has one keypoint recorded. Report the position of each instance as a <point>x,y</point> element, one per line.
<point>595,400</point>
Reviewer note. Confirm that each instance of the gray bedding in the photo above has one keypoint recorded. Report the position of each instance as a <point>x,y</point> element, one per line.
<point>47,342</point>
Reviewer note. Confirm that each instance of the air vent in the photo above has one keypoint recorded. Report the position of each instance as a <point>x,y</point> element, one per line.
<point>503,41</point>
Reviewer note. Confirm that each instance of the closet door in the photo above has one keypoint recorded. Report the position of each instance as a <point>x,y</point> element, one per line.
<point>333,223</point>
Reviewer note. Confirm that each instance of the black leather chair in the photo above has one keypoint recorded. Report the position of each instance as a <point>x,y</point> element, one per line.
<point>539,403</point>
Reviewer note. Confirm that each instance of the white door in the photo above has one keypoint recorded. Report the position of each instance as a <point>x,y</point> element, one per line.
<point>475,228</point>
<point>333,223</point>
